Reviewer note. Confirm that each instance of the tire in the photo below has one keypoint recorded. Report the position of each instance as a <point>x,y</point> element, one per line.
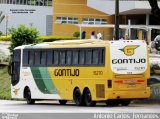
<point>78,97</point>
<point>62,102</point>
<point>28,96</point>
<point>88,98</point>
<point>125,103</point>
<point>112,103</point>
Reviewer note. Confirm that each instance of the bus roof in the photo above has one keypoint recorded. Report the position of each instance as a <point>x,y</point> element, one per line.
<point>65,43</point>
<point>72,44</point>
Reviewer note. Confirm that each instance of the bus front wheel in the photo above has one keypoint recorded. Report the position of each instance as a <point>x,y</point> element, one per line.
<point>28,96</point>
<point>88,98</point>
<point>77,97</point>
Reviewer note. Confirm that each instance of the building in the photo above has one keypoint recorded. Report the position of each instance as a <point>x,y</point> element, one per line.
<point>86,16</point>
<point>35,13</point>
<point>90,16</point>
<point>69,13</point>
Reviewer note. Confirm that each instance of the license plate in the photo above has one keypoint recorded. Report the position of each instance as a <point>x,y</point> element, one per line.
<point>131,85</point>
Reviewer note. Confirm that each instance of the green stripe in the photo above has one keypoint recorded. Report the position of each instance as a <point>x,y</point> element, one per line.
<point>43,80</point>
<point>38,79</point>
<point>47,80</point>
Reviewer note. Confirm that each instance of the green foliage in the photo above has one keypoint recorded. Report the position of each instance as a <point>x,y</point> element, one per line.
<point>42,38</point>
<point>1,33</point>
<point>54,38</point>
<point>3,57</point>
<point>23,35</point>
<point>4,38</point>
<point>76,34</point>
<point>5,91</point>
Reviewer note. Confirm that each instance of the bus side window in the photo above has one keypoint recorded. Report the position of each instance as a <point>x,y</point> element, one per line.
<point>31,57</point>
<point>25,58</point>
<point>37,58</point>
<point>95,56</point>
<point>68,57</point>
<point>88,57</point>
<point>75,57</point>
<point>62,55</point>
<point>43,58</point>
<point>56,58</point>
<point>16,67</point>
<point>101,56</point>
<point>50,57</point>
<point>17,56</point>
<point>81,57</point>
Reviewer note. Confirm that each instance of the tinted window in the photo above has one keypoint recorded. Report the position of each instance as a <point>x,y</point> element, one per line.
<point>50,57</point>
<point>88,57</point>
<point>101,56</point>
<point>81,57</point>
<point>68,57</point>
<point>43,58</point>
<point>37,58</point>
<point>31,57</point>
<point>56,58</point>
<point>16,67</point>
<point>17,55</point>
<point>62,55</point>
<point>95,56</point>
<point>75,57</point>
<point>25,57</point>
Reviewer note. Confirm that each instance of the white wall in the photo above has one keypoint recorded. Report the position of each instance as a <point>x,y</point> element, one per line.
<point>125,7</point>
<point>37,18</point>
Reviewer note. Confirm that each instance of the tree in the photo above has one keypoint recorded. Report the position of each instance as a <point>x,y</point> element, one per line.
<point>155,9</point>
<point>23,35</point>
<point>76,34</point>
<point>1,16</point>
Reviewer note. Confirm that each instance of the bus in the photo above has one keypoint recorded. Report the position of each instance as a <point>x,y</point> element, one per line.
<point>83,71</point>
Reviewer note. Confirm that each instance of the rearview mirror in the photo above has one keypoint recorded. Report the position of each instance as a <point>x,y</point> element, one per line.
<point>10,68</point>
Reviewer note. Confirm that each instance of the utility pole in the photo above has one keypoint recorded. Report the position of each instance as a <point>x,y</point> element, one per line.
<point>116,20</point>
<point>7,24</point>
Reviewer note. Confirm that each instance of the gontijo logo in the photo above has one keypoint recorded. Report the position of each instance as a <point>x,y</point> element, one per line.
<point>129,49</point>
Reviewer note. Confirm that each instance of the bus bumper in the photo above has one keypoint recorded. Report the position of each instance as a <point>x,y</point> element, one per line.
<point>135,94</point>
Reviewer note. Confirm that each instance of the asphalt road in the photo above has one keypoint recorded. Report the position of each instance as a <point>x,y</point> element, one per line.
<point>54,107</point>
<point>52,110</point>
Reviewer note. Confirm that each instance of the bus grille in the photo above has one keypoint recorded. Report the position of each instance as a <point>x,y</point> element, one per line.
<point>100,91</point>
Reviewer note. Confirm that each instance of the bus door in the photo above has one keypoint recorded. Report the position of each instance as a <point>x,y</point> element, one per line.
<point>14,68</point>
